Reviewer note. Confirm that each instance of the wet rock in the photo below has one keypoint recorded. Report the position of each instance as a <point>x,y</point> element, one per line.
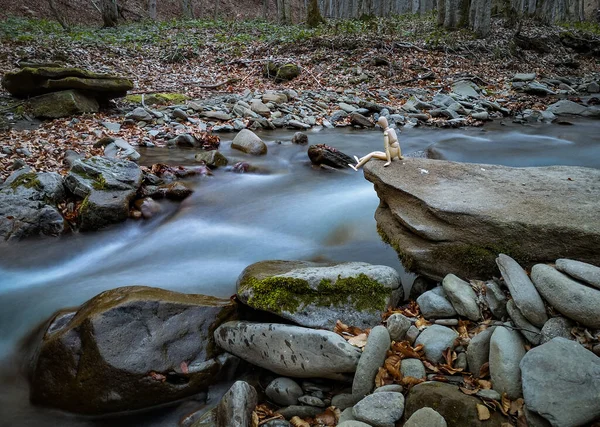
<point>464,197</point>
<point>212,158</point>
<point>28,205</point>
<point>482,115</point>
<point>311,401</point>
<point>397,326</point>
<point>566,107</point>
<point>148,207</point>
<point>178,113</point>
<point>177,191</point>
<point>322,154</point>
<point>587,273</point>
<point>457,408</point>
<point>557,327</point>
<point>372,358</point>
<point>140,114</point>
<point>289,350</point>
<point>434,304</point>
<point>425,417</point>
<point>380,409</point>
<point>278,423</point>
<point>284,391</point>
<point>121,149</point>
<point>236,406</point>
<point>360,120</point>
<point>436,339</point>
<point>299,411</point>
<point>248,142</point>
<point>561,382</point>
<point>317,295</point>
<point>65,103</point>
<point>479,350</point>
<point>529,331</point>
<point>175,355</point>
<point>495,299</point>
<point>297,124</point>
<point>300,138</point>
<point>569,297</point>
<point>413,368</point>
<point>535,88</point>
<point>506,351</point>
<point>462,297</point>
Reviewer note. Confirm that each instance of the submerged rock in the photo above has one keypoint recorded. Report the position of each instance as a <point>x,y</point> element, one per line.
<point>317,295</point>
<point>129,348</point>
<point>444,216</point>
<point>289,350</point>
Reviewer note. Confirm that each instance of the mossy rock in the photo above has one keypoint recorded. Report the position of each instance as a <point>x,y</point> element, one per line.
<point>281,72</point>
<point>158,98</point>
<point>130,348</point>
<point>65,103</point>
<point>317,295</point>
<point>30,81</point>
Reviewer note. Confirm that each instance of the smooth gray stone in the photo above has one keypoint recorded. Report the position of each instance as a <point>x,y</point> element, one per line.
<point>462,297</point>
<point>425,417</point>
<point>534,419</point>
<point>284,391</point>
<point>489,394</point>
<point>557,327</point>
<point>506,351</point>
<point>278,423</point>
<point>466,89</point>
<point>397,326</point>
<point>435,340</point>
<point>413,368</point>
<point>380,409</point>
<point>236,406</point>
<point>412,334</point>
<point>434,304</point>
<point>462,362</point>
<point>495,299</point>
<point>564,106</point>
<point>390,387</point>
<point>289,350</point>
<point>587,273</point>
<point>248,142</point>
<point>524,77</point>
<point>353,423</point>
<point>561,382</point>
<point>372,358</point>
<point>446,322</point>
<point>571,298</point>
<point>312,401</point>
<point>344,400</point>
<point>529,331</point>
<point>522,290</point>
<point>346,415</point>
<point>299,411</point>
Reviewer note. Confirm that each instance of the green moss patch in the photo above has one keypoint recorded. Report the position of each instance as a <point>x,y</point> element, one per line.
<point>27,180</point>
<point>279,293</point>
<point>158,98</point>
<point>408,261</point>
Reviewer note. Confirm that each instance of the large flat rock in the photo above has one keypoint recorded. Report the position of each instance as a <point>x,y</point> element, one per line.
<point>446,217</point>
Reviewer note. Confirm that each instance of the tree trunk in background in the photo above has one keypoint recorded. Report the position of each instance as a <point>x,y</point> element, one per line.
<point>187,9</point>
<point>110,13</point>
<point>265,9</point>
<point>152,9</point>
<point>456,14</point>
<point>59,17</point>
<point>283,12</point>
<point>441,12</point>
<point>480,17</point>
<point>313,15</point>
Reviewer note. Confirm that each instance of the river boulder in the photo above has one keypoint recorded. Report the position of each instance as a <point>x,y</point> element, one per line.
<point>454,217</point>
<point>130,348</point>
<point>316,295</point>
<point>28,205</point>
<point>289,350</point>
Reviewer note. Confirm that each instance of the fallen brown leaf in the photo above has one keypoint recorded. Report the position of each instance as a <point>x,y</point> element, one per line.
<point>483,413</point>
<point>299,422</point>
<point>358,341</point>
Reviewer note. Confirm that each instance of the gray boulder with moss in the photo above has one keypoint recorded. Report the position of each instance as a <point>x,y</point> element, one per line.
<point>130,348</point>
<point>454,217</point>
<point>107,186</point>
<point>28,205</point>
<point>317,295</point>
<point>289,350</point>
<point>62,104</point>
<point>32,81</point>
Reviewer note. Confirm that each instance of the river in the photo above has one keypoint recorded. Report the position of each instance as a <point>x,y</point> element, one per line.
<point>288,210</point>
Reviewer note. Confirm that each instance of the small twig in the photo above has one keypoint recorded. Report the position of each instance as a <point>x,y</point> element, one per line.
<point>96,6</point>
<point>277,417</point>
<point>216,85</point>
<point>410,46</point>
<point>311,74</point>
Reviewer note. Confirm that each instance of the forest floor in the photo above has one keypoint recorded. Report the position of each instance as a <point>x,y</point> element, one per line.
<point>367,56</point>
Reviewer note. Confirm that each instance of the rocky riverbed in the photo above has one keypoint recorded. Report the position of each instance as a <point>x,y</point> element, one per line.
<point>508,351</point>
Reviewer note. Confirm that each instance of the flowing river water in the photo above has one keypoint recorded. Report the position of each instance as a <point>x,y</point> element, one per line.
<point>288,210</point>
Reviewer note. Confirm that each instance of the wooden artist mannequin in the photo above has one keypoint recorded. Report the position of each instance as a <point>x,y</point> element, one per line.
<point>390,143</point>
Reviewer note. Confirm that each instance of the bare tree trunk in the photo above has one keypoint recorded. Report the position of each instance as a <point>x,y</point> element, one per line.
<point>313,15</point>
<point>187,9</point>
<point>265,9</point>
<point>110,13</point>
<point>60,18</point>
<point>152,9</point>
<point>283,12</point>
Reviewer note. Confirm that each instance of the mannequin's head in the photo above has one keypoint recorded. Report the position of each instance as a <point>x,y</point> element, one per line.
<point>382,122</point>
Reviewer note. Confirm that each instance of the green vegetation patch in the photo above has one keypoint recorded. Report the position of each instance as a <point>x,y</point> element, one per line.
<point>280,293</point>
<point>158,98</point>
<point>27,180</point>
<point>407,260</point>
